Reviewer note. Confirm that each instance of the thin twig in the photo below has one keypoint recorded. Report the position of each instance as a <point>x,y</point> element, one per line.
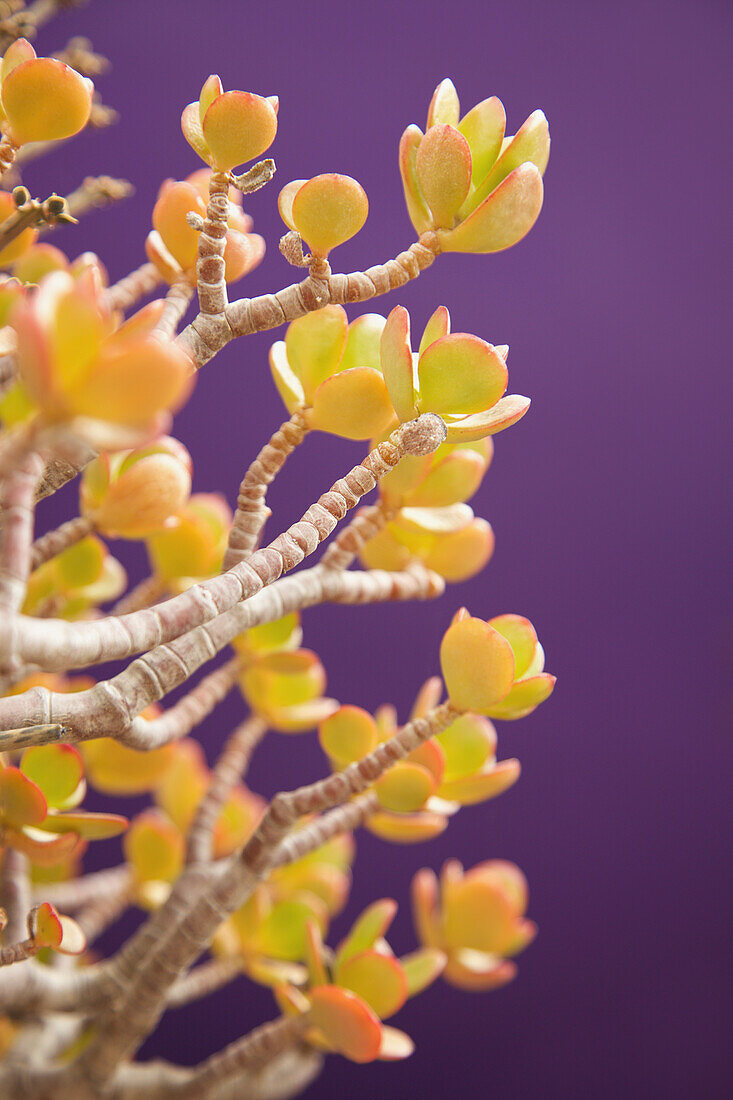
<point>227,772</point>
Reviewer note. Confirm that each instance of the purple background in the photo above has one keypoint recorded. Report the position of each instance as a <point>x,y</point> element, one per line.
<point>608,501</point>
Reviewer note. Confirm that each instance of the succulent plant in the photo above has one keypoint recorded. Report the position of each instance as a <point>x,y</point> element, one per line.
<point>89,384</point>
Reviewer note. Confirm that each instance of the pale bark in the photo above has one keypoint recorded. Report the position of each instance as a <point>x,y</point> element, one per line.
<point>252,513</point>
<point>57,644</point>
<point>367,523</point>
<point>210,332</point>
<point>112,706</point>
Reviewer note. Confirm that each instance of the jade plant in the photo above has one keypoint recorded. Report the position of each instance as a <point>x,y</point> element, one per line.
<point>228,885</point>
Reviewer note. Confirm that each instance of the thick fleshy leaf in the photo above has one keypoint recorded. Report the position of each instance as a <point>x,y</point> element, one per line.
<point>81,564</point>
<point>150,486</point>
<point>58,770</point>
<point>348,1025</point>
<point>438,325</point>
<point>363,342</point>
<point>175,201</point>
<point>452,480</point>
<point>537,664</point>
<point>417,528</point>
<point>194,135</point>
<point>444,105</point>
<point>443,166</point>
<point>522,637</point>
<point>417,208</point>
<point>405,787</point>
<point>183,782</point>
<point>283,633</point>
<point>405,476</point>
<point>503,218</point>
<point>283,933</point>
<point>242,253</point>
<point>274,972</point>
<point>154,847</point>
<point>397,364</point>
<point>477,915</point>
<point>524,697</point>
<point>354,404</point>
<point>47,928</point>
<point>378,979</point>
<point>460,374</point>
<point>168,267</point>
<point>246,921</point>
<point>328,210</point>
<point>314,345</point>
<point>427,697</point>
<point>407,828</point>
<point>44,849</point>
<point>493,780</point>
<point>348,735</point>
<point>237,821</point>
<point>525,933</point>
<point>91,826</point>
<point>511,879</point>
<point>430,755</point>
<point>424,894</point>
<point>16,53</point>
<point>385,552</point>
<point>301,717</point>
<point>505,413</point>
<point>285,202</point>
<point>422,968</point>
<point>237,127</point>
<point>327,882</point>
<point>395,1045</point>
<point>467,743</point>
<point>460,555</point>
<point>21,801</point>
<point>288,384</point>
<point>477,664</point>
<point>531,143</point>
<point>130,384</point>
<point>284,679</point>
<point>483,128</point>
<point>478,972</point>
<point>46,100</point>
<point>211,89</point>
<point>40,260</point>
<point>73,940</point>
<point>116,769</point>
<point>313,955</point>
<point>195,546</point>
<point>369,927</point>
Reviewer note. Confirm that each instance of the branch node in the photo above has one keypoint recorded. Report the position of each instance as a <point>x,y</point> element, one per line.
<point>257,176</point>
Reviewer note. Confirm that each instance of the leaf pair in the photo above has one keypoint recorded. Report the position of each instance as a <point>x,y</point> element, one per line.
<point>475,918</point>
<point>41,99</point>
<point>173,243</point>
<point>458,376</point>
<point>132,494</point>
<point>229,128</point>
<point>462,178</point>
<point>38,806</point>
<point>496,667</point>
<point>333,368</point>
